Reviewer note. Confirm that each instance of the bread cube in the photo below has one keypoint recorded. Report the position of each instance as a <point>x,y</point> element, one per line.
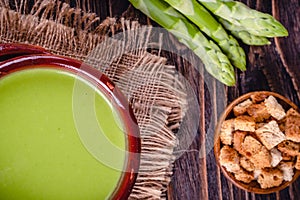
<point>256,153</point>
<point>274,108</point>
<point>290,148</point>
<point>241,108</point>
<point>247,164</point>
<point>262,159</point>
<point>258,112</point>
<point>226,132</point>
<point>238,139</point>
<point>270,134</point>
<point>244,123</point>
<point>292,125</point>
<point>258,97</point>
<point>250,147</point>
<point>270,178</point>
<point>244,176</point>
<point>229,158</point>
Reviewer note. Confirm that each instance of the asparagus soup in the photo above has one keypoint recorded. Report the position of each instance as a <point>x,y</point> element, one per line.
<point>41,153</point>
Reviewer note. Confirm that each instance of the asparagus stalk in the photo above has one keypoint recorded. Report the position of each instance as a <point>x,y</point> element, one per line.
<point>245,36</point>
<point>245,18</point>
<point>207,23</point>
<point>216,63</point>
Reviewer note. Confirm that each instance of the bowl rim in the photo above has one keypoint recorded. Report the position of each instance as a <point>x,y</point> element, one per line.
<point>36,57</point>
<point>217,144</point>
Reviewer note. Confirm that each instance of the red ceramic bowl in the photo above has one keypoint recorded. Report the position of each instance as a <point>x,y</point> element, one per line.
<point>18,57</point>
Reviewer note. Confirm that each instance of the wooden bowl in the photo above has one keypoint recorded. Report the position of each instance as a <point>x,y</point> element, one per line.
<point>227,114</point>
<point>15,58</point>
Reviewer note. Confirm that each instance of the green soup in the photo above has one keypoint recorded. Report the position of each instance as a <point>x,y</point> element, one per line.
<point>43,152</point>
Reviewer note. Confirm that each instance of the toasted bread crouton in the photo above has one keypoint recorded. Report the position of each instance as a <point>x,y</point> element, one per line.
<point>238,139</point>
<point>292,125</point>
<point>270,178</point>
<point>290,148</point>
<point>288,170</point>
<point>241,108</point>
<point>258,112</point>
<point>244,123</point>
<point>297,165</point>
<point>250,147</point>
<point>229,158</point>
<point>270,134</point>
<point>226,132</point>
<point>256,153</point>
<point>274,108</point>
<point>276,157</point>
<point>246,164</point>
<point>258,97</point>
<point>262,159</point>
<point>244,176</point>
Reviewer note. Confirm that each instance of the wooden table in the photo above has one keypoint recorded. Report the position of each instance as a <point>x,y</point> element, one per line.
<point>275,67</point>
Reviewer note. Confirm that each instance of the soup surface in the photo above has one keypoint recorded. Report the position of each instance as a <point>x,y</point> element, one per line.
<point>56,129</point>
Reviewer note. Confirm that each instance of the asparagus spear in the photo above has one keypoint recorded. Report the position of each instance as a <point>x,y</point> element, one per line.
<point>216,63</point>
<point>245,36</point>
<point>245,18</point>
<point>207,23</point>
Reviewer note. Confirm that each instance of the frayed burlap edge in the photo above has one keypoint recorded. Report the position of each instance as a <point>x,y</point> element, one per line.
<point>158,99</point>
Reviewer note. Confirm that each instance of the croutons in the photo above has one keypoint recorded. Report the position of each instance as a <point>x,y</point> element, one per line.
<point>270,178</point>
<point>261,142</point>
<point>256,153</point>
<point>244,123</point>
<point>244,176</point>
<point>258,97</point>
<point>226,132</point>
<point>238,139</point>
<point>241,108</point>
<point>229,158</point>
<point>293,125</point>
<point>250,147</point>
<point>263,159</point>
<point>270,134</point>
<point>258,112</point>
<point>274,108</point>
<point>247,164</point>
<point>290,148</point>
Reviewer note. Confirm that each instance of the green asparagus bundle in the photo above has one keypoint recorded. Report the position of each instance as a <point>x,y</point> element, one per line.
<point>237,17</point>
<point>188,19</point>
<point>207,24</point>
<point>216,63</point>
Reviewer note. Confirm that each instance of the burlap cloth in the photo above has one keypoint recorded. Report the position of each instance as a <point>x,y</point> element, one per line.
<point>158,99</point>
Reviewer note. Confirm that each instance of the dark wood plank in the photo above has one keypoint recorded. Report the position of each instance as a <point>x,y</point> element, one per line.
<point>289,48</point>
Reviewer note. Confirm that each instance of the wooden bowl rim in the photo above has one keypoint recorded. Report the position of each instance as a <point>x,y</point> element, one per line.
<point>217,145</point>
